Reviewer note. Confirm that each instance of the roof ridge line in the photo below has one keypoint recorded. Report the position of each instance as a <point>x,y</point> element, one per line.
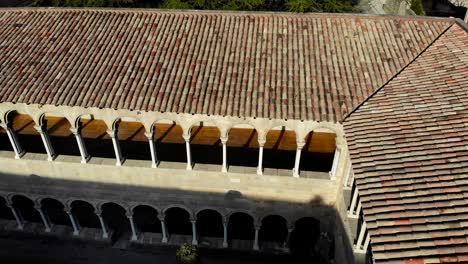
<point>396,74</point>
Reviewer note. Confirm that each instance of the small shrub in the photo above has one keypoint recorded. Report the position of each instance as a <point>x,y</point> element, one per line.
<point>187,254</point>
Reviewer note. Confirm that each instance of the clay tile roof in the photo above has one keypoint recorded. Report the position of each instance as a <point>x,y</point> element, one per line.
<point>272,65</point>
<point>409,148</point>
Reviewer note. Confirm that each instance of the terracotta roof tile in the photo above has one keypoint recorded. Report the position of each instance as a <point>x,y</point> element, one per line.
<point>273,65</point>
<point>408,145</point>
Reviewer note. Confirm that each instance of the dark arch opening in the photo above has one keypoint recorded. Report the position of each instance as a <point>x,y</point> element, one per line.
<point>210,224</point>
<point>55,211</point>
<point>85,214</point>
<point>178,221</point>
<point>28,137</point>
<point>318,152</point>
<point>170,145</point>
<point>242,147</point>
<point>304,237</point>
<point>62,139</point>
<point>273,232</point>
<point>5,211</point>
<point>116,219</point>
<point>25,207</point>
<point>98,143</point>
<point>241,226</point>
<point>146,219</point>
<point>205,145</point>
<point>280,149</point>
<point>132,140</point>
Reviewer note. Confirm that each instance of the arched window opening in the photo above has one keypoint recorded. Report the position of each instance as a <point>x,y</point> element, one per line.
<point>242,149</point>
<point>25,207</point>
<point>132,140</point>
<point>210,227</point>
<point>62,139</point>
<point>304,237</point>
<point>55,211</point>
<point>85,214</point>
<point>146,219</point>
<point>279,151</point>
<point>241,229</point>
<point>97,141</point>
<point>170,144</point>
<point>28,137</point>
<point>5,211</point>
<point>317,154</point>
<point>206,147</point>
<point>116,220</point>
<point>178,221</point>
<point>273,232</point>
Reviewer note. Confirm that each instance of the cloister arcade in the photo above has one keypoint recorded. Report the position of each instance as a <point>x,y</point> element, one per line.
<point>208,227</point>
<point>199,145</point>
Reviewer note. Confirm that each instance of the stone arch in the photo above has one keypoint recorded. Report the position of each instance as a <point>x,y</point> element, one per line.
<point>58,128</point>
<point>115,217</point>
<point>280,149</point>
<point>85,213</point>
<point>304,237</point>
<point>318,151</point>
<point>178,220</point>
<point>209,223</point>
<point>55,210</point>
<point>132,139</point>
<point>241,226</point>
<point>273,232</point>
<point>5,211</point>
<point>94,132</point>
<point>169,142</point>
<point>242,145</point>
<point>146,218</point>
<point>205,143</point>
<point>26,208</point>
<point>24,126</point>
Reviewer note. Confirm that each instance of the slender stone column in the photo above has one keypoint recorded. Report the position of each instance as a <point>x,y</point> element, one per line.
<point>115,143</point>
<point>154,156</point>
<point>79,140</point>
<point>194,232</point>
<point>105,234</point>
<point>361,235</point>
<point>300,145</point>
<point>74,222</point>
<point>288,237</point>
<point>163,228</point>
<point>336,159</point>
<point>13,140</point>
<point>17,215</point>
<point>353,202</point>
<point>358,209</point>
<point>366,243</point>
<point>255,245</point>
<point>46,140</point>
<point>189,154</point>
<point>224,141</point>
<point>132,225</point>
<point>349,171</point>
<point>261,143</point>
<point>225,234</point>
<point>44,217</point>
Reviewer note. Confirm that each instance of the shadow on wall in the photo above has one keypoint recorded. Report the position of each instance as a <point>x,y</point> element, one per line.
<point>309,229</point>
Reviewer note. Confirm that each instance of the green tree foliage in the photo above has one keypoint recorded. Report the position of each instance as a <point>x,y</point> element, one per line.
<point>417,7</point>
<point>334,6</point>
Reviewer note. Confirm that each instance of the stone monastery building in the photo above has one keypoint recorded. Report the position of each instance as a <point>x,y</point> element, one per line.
<point>345,135</point>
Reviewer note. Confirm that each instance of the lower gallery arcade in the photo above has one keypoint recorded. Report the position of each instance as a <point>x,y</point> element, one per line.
<point>174,225</point>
